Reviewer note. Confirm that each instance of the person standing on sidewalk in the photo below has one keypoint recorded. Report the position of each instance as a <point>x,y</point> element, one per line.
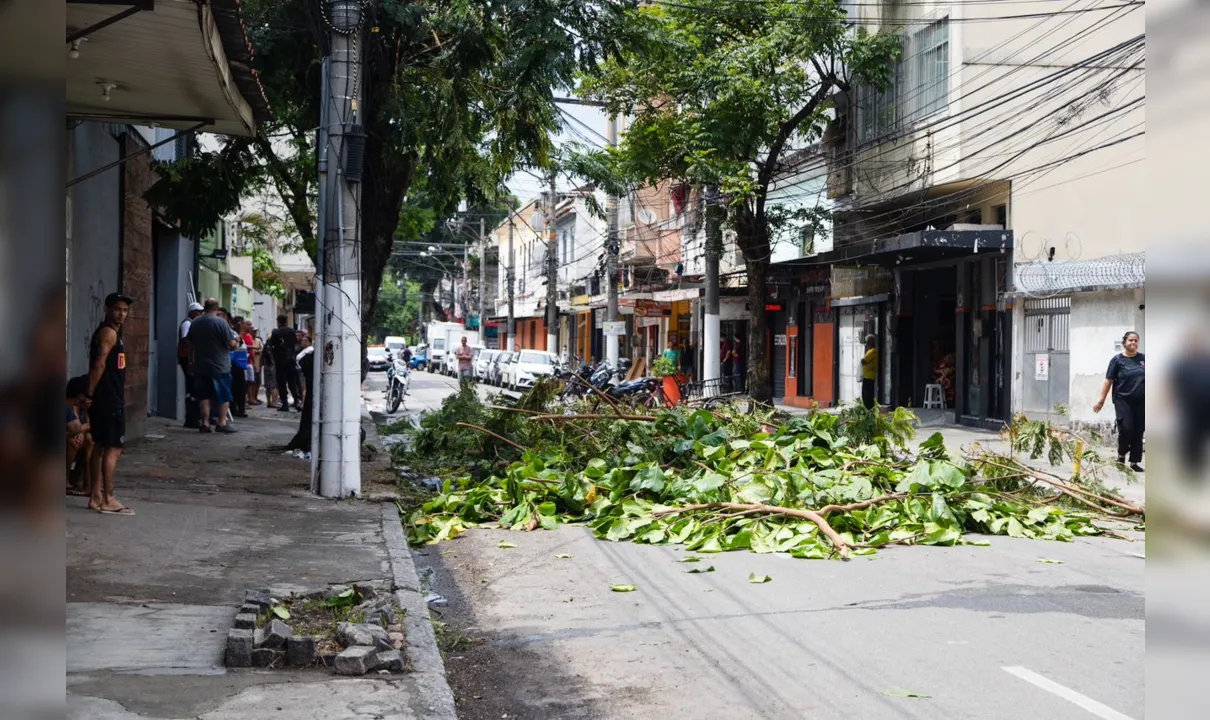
<point>283,344</point>
<point>212,340</point>
<point>239,371</point>
<point>255,346</point>
<point>463,354</point>
<point>183,354</point>
<point>1126,376</point>
<point>869,372</point>
<point>107,391</point>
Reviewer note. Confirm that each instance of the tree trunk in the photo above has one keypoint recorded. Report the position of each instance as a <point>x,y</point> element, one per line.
<point>752,236</point>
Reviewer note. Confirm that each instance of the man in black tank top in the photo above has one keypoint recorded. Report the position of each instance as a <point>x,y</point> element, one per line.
<point>107,388</point>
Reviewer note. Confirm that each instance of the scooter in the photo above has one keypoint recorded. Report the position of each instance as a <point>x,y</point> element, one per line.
<point>399,378</point>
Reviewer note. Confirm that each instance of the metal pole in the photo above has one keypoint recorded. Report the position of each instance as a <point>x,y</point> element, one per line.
<point>552,273</point>
<point>510,274</point>
<point>611,259</point>
<point>711,340</point>
<point>339,356</point>
<point>482,281</point>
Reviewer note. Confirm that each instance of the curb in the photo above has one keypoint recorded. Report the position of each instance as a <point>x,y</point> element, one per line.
<point>435,700</point>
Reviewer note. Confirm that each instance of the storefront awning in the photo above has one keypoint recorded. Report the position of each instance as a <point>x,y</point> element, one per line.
<point>175,64</point>
<point>913,247</point>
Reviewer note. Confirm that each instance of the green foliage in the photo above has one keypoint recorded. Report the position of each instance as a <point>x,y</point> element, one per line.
<point>662,367</point>
<point>397,310</point>
<point>634,480</point>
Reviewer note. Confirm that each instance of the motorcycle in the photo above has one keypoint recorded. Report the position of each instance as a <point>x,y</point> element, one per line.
<point>399,378</point>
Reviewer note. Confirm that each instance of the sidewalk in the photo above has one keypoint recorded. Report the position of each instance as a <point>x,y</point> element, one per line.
<point>150,598</point>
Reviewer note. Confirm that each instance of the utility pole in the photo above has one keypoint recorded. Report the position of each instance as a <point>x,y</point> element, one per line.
<point>552,273</point>
<point>711,342</point>
<point>611,259</point>
<point>339,355</point>
<point>482,281</point>
<point>466,285</point>
<point>510,274</point>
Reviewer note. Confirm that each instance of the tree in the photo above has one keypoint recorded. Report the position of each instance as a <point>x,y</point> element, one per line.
<point>397,310</point>
<point>719,95</point>
<point>455,96</point>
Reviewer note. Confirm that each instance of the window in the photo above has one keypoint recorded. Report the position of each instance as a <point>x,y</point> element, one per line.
<point>928,66</point>
<point>877,110</point>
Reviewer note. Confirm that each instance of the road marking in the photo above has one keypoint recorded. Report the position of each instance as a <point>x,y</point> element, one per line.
<point>1071,696</point>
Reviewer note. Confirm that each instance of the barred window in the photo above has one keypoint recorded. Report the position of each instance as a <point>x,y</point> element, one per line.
<point>928,66</point>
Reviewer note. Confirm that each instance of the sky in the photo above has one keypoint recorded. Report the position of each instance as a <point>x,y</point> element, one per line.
<point>590,129</point>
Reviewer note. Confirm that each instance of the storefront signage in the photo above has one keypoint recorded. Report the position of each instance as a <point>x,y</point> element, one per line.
<point>617,327</point>
<point>1042,366</point>
<point>779,340</point>
<point>670,296</point>
<point>773,307</point>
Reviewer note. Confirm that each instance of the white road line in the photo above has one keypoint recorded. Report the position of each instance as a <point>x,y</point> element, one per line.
<point>1071,696</point>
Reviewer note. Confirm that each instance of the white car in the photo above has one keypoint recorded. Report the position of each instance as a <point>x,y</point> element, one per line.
<point>483,364</point>
<point>450,363</point>
<point>526,367</point>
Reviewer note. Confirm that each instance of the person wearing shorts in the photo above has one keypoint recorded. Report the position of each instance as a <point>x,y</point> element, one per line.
<point>107,416</point>
<point>212,341</point>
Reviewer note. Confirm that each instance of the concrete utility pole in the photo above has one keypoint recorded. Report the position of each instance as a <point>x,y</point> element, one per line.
<point>711,342</point>
<point>339,355</point>
<point>611,259</point>
<point>510,275</point>
<point>552,272</point>
<point>466,285</point>
<point>482,281</point>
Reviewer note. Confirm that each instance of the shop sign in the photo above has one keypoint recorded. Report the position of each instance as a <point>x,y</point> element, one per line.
<point>773,307</point>
<point>1042,366</point>
<point>670,296</point>
<point>616,327</point>
<point>779,340</point>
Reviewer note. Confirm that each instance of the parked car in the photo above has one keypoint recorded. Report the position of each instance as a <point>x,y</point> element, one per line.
<point>483,360</point>
<point>378,357</point>
<point>495,374</point>
<point>420,357</point>
<point>394,343</point>
<point>527,366</point>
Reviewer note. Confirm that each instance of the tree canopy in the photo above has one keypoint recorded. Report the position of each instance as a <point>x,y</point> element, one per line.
<point>719,94</point>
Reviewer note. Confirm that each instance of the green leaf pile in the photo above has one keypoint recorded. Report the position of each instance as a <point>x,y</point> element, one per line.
<point>729,479</point>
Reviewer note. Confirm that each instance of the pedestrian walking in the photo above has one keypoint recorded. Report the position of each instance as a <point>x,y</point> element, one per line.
<point>738,360</point>
<point>869,372</point>
<point>107,393</point>
<point>464,354</point>
<point>724,356</point>
<point>182,357</point>
<point>212,340</point>
<point>1126,377</point>
<point>283,344</point>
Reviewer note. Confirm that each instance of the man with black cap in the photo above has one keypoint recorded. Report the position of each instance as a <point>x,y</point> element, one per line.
<point>184,354</point>
<point>107,390</point>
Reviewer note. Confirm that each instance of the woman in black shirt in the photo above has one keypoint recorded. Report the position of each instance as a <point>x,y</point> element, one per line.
<point>1126,377</point>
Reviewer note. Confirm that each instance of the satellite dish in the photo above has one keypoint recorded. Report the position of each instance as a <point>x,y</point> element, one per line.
<point>646,216</point>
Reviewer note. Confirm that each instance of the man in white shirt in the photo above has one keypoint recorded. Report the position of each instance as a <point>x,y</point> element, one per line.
<point>183,353</point>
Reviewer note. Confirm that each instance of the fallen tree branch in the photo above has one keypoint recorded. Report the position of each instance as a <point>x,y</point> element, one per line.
<point>757,508</point>
<point>829,509</point>
<point>1079,494</point>
<point>489,432</point>
<point>568,418</point>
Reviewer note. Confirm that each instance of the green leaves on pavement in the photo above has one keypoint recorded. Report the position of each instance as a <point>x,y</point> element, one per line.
<point>758,579</point>
<point>623,588</point>
<point>700,570</point>
<point>901,693</point>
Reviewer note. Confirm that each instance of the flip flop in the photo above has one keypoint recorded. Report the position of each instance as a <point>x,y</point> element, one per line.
<point>123,511</point>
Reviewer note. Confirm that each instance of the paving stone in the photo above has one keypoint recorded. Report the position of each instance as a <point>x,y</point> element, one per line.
<point>250,608</point>
<point>366,590</point>
<point>397,639</point>
<point>239,648</point>
<point>274,635</point>
<point>389,660</point>
<point>264,657</point>
<point>357,660</point>
<point>260,598</point>
<point>352,634</point>
<point>245,621</point>
<point>300,651</point>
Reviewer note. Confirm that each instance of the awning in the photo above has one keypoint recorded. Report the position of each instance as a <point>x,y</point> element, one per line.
<point>174,63</point>
<point>913,247</point>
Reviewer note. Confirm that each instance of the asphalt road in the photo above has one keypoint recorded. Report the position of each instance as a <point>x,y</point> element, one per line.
<point>980,633</point>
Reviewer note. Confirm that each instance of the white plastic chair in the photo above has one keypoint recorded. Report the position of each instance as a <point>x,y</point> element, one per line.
<point>934,396</point>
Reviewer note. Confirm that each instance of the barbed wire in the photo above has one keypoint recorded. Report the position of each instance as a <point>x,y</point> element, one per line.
<point>1041,278</point>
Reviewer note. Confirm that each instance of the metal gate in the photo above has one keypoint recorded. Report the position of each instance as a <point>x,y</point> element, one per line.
<point>1046,375</point>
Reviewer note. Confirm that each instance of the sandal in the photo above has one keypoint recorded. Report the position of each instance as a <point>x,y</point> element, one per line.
<point>123,511</point>
<point>77,492</point>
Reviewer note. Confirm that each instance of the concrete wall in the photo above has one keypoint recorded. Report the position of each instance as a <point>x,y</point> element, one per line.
<point>1098,321</point>
<point>174,262</point>
<point>95,245</point>
<point>138,257</point>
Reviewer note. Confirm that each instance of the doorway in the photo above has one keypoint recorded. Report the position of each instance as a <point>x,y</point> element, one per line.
<point>927,336</point>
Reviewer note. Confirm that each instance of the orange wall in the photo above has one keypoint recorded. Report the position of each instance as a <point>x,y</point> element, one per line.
<point>822,364</point>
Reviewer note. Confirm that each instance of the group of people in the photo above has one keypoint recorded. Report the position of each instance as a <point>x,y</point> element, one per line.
<point>226,362</point>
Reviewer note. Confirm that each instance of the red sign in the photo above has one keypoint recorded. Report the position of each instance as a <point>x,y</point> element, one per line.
<point>772,308</point>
